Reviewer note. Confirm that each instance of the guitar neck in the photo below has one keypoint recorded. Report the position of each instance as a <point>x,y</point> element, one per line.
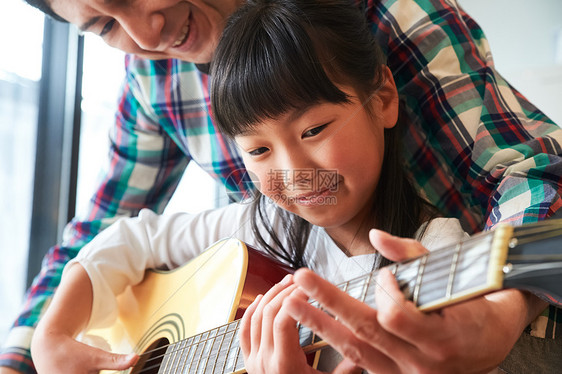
<point>475,266</point>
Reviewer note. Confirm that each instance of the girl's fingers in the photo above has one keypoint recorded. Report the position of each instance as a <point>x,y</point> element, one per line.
<point>272,319</point>
<point>245,327</point>
<point>111,361</point>
<point>257,316</point>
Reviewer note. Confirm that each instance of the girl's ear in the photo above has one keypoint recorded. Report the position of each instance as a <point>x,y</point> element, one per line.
<point>388,100</point>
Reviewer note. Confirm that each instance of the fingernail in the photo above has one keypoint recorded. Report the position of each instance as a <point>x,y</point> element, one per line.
<point>286,279</point>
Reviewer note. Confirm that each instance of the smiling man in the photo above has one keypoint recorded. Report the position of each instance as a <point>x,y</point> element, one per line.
<point>186,30</point>
<point>476,148</point>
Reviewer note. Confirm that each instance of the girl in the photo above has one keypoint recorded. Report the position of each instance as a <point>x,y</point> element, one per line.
<point>301,88</point>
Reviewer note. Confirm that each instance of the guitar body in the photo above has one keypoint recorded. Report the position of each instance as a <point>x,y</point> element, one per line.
<point>168,306</point>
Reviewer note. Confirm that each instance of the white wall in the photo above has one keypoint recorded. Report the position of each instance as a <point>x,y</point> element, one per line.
<point>526,42</point>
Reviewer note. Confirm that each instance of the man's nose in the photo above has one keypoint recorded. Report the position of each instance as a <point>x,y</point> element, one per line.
<point>145,28</point>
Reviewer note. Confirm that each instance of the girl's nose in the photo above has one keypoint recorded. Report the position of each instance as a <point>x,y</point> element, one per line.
<point>298,173</point>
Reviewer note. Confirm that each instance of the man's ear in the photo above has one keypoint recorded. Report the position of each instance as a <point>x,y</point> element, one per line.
<point>387,96</point>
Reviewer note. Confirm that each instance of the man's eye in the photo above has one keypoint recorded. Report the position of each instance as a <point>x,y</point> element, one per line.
<point>258,151</point>
<point>107,27</point>
<point>314,131</point>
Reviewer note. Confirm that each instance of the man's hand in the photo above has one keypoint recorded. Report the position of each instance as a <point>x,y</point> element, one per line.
<point>473,336</point>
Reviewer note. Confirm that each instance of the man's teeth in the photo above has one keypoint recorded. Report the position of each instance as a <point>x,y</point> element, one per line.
<point>182,36</point>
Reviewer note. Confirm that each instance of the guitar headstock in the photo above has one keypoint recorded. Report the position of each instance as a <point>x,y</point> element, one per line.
<point>534,260</point>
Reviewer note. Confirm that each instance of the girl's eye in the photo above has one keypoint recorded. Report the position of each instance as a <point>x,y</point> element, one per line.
<point>314,131</point>
<point>107,27</point>
<point>258,151</point>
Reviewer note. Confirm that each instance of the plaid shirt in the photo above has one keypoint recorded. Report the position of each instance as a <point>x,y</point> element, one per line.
<point>476,147</point>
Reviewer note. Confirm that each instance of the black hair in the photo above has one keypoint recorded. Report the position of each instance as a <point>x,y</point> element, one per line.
<point>45,7</point>
<point>280,55</point>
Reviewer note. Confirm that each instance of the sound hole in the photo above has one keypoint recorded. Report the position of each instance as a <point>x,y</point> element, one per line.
<point>150,360</point>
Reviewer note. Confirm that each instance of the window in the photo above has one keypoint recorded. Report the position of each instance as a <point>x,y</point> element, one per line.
<point>20,72</point>
<point>526,43</point>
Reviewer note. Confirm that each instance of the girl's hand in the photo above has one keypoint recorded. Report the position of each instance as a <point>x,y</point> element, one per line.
<point>54,348</point>
<point>55,352</point>
<point>473,336</point>
<point>268,335</point>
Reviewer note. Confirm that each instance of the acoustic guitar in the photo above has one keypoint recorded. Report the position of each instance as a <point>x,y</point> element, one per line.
<point>186,320</point>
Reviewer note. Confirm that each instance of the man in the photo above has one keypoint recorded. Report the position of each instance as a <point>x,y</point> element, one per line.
<point>477,149</point>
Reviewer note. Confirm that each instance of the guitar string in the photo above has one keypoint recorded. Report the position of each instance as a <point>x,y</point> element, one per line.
<point>525,236</point>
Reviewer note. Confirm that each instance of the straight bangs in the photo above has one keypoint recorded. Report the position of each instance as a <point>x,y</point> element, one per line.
<point>265,68</point>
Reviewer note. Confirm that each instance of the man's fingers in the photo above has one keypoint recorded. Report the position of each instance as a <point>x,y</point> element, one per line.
<point>336,301</point>
<point>402,317</point>
<point>395,248</point>
<point>347,367</point>
<point>338,336</point>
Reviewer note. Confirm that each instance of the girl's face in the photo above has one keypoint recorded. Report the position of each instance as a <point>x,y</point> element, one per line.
<point>154,29</point>
<point>322,163</point>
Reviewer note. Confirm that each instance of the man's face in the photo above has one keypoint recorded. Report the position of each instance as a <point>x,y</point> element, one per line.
<point>156,29</point>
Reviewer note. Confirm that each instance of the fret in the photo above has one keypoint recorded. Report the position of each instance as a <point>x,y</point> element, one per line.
<point>190,353</point>
<point>204,357</point>
<point>453,271</point>
<point>210,355</point>
<point>181,348</point>
<point>366,287</point>
<point>239,359</point>
<point>472,267</point>
<point>171,353</point>
<point>407,277</point>
<point>421,268</point>
<point>355,288</point>
<point>217,359</point>
<point>344,286</point>
<point>175,362</point>
<point>372,283</point>
<point>232,329</point>
<point>394,269</point>
<point>194,351</point>
<point>223,330</point>
<point>435,276</point>
<point>165,360</point>
<point>203,343</point>
<point>238,362</point>
<point>305,337</point>
<point>185,353</point>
